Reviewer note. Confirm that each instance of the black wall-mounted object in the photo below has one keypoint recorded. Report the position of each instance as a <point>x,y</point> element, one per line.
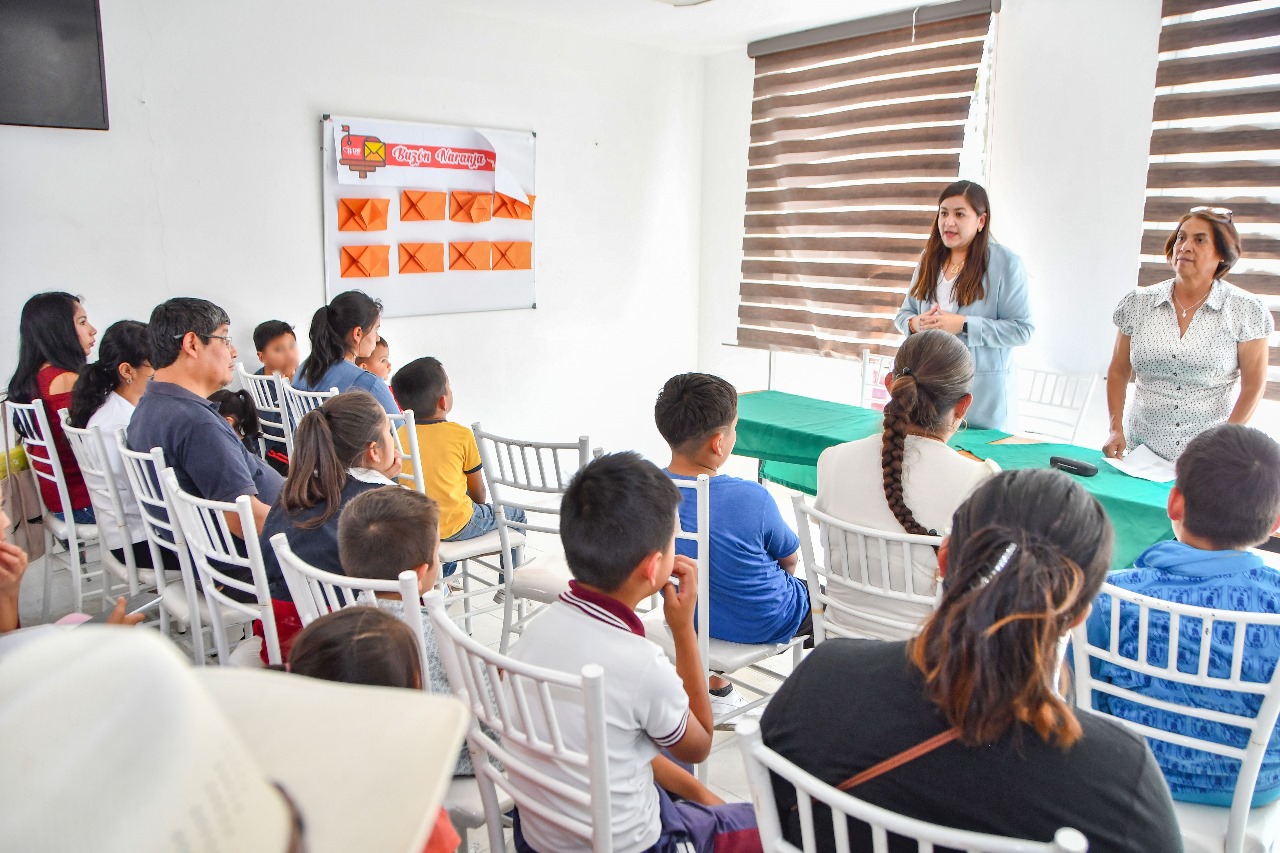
<point>52,72</point>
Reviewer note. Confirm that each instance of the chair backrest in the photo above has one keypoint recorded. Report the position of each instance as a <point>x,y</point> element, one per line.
<point>265,391</point>
<point>31,422</point>
<point>1183,635</point>
<point>840,578</point>
<point>701,489</point>
<point>1053,404</point>
<point>528,475</point>
<point>874,369</point>
<point>214,551</point>
<point>761,762</point>
<point>162,528</point>
<point>298,403</point>
<point>536,718</point>
<point>408,447</point>
<point>90,449</point>
<point>316,592</point>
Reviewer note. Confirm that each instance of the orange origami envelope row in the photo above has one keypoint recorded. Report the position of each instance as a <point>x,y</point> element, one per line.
<point>421,257</point>
<point>420,205</point>
<point>363,261</point>
<point>506,207</point>
<point>490,256</point>
<point>362,214</point>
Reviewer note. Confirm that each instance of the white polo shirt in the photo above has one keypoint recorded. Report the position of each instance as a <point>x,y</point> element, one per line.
<point>645,708</point>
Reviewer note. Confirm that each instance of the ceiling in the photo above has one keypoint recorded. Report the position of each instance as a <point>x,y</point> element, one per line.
<point>712,27</point>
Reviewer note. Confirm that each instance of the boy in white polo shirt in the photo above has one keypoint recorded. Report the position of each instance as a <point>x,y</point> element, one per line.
<point>618,524</point>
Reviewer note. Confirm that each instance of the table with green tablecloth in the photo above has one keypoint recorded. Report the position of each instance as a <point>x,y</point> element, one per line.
<point>788,433</point>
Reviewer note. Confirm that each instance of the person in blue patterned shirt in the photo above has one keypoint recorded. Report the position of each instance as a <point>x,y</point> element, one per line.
<point>1226,499</point>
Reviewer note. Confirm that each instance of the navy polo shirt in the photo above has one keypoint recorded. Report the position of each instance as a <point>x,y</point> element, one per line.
<point>210,460</point>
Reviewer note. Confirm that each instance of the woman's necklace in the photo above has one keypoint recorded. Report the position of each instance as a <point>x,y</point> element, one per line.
<point>951,270</point>
<point>1186,311</point>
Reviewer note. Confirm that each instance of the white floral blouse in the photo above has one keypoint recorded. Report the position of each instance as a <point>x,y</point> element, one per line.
<point>1185,384</point>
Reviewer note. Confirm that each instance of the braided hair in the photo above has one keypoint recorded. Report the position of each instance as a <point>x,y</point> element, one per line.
<point>931,372</point>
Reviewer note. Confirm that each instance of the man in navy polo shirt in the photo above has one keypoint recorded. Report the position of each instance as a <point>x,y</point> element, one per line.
<point>192,353</point>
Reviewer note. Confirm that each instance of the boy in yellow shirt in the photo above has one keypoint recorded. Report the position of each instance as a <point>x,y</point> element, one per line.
<point>450,458</point>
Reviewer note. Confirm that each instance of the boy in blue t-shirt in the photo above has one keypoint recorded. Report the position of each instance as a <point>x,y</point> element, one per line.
<point>1226,499</point>
<point>755,596</point>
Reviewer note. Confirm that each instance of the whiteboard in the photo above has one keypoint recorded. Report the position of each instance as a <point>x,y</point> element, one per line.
<point>392,156</point>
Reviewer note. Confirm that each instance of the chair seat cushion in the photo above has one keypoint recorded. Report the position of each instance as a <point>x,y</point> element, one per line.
<point>542,579</point>
<point>174,600</point>
<point>247,654</point>
<point>1204,828</point>
<point>724,655</point>
<point>465,549</point>
<point>84,532</point>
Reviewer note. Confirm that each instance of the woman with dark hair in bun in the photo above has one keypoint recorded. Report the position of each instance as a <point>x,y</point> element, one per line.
<point>923,479</point>
<point>105,396</point>
<point>973,706</point>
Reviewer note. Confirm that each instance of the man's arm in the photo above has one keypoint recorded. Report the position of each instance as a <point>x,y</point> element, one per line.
<point>475,486</point>
<point>678,606</point>
<point>788,564</point>
<point>260,511</point>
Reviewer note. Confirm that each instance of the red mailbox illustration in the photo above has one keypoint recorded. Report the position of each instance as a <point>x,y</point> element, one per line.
<point>362,154</point>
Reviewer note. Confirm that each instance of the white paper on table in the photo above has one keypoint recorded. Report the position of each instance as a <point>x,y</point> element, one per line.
<point>1145,465</point>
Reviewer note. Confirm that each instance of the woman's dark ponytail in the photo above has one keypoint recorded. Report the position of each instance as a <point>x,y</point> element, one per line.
<point>330,326</point>
<point>932,371</point>
<point>124,343</point>
<point>327,442</point>
<point>1028,552</point>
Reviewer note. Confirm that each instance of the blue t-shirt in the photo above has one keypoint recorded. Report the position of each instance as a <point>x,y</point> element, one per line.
<point>753,600</point>
<point>209,458</point>
<point>1226,580</point>
<point>345,376</point>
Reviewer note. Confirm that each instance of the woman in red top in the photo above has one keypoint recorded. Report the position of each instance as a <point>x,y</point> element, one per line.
<point>54,342</point>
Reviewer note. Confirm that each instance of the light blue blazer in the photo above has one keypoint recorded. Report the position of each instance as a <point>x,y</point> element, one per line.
<point>998,322</point>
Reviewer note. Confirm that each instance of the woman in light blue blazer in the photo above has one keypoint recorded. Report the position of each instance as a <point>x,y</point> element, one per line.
<point>971,286</point>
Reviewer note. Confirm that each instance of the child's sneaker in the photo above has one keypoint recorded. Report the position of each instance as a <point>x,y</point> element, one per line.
<point>731,701</point>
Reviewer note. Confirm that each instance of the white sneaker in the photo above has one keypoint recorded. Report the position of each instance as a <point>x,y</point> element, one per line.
<point>500,596</point>
<point>722,705</point>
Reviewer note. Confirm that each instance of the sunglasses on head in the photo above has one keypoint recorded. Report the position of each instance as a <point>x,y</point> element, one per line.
<point>1224,212</point>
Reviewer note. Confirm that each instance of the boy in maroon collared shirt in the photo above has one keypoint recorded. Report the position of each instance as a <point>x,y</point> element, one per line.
<point>618,524</point>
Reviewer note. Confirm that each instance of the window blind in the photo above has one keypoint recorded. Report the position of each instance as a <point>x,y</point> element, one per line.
<point>851,141</point>
<point>1215,140</point>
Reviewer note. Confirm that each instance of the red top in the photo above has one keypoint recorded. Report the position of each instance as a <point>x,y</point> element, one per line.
<point>76,488</point>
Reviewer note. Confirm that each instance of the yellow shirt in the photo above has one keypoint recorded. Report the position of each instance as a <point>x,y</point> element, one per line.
<point>449,453</point>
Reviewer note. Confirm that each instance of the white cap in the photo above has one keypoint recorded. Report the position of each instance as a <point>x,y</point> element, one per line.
<point>111,741</point>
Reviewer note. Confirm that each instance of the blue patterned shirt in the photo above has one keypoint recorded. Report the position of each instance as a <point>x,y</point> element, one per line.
<point>1226,580</point>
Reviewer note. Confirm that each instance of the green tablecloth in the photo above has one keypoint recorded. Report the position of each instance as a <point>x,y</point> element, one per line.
<point>788,433</point>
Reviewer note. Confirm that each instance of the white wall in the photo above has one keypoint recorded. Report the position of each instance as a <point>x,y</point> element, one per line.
<point>1070,134</point>
<point>208,184</point>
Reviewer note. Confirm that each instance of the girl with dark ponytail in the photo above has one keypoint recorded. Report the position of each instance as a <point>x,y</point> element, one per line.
<point>974,705</point>
<point>239,411</point>
<point>340,450</point>
<point>341,332</point>
<point>104,397</point>
<point>922,479</point>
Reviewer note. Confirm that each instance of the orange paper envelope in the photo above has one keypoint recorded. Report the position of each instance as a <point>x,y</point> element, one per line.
<point>512,256</point>
<point>469,256</point>
<point>421,257</point>
<point>362,214</point>
<point>364,261</point>
<point>470,207</point>
<point>506,207</point>
<point>420,205</point>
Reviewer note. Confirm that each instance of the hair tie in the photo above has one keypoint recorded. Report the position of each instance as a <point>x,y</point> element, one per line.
<point>906,371</point>
<point>986,577</point>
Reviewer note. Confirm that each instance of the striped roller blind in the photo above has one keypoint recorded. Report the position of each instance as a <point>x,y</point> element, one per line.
<point>852,139</point>
<point>1216,139</point>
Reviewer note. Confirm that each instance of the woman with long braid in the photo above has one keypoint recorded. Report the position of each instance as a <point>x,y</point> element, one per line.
<point>923,480</point>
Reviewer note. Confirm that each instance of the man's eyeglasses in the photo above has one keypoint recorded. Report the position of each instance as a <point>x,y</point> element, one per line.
<point>226,339</point>
<point>1224,212</point>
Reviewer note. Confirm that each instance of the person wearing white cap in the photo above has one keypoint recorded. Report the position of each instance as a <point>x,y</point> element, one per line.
<point>114,743</point>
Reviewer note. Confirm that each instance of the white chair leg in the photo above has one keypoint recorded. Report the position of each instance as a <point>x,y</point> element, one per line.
<point>48,575</point>
<point>465,568</point>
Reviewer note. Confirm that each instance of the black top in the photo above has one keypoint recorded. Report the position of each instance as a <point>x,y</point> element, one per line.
<point>853,703</point>
<point>318,546</point>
